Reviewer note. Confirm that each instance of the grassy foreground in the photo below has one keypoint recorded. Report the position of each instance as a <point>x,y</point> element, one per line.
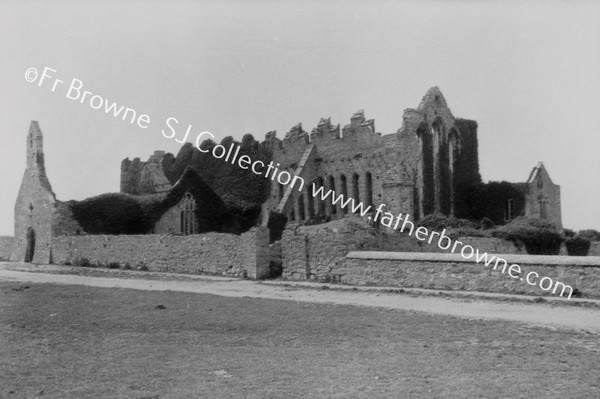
<point>82,342</point>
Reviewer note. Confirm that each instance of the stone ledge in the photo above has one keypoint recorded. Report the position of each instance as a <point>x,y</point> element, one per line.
<point>510,258</point>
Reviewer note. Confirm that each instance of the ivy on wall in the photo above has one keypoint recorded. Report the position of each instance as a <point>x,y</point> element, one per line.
<point>495,196</point>
<point>234,184</point>
<point>113,213</point>
<point>539,236</point>
<point>444,178</point>
<point>467,179</point>
<point>428,199</point>
<point>119,213</point>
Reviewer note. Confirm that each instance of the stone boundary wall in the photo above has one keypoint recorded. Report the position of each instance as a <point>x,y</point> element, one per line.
<point>246,255</point>
<point>6,247</point>
<point>453,272</point>
<point>329,253</point>
<point>312,252</point>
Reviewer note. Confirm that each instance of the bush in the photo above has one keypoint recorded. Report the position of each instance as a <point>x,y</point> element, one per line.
<point>113,213</point>
<point>577,246</point>
<point>275,269</point>
<point>113,265</point>
<point>592,235</point>
<point>568,233</point>
<point>468,232</point>
<point>79,261</point>
<point>539,236</point>
<point>438,222</point>
<point>486,224</point>
<point>276,225</point>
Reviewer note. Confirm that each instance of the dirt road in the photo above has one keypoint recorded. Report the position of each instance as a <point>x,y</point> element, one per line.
<point>564,317</point>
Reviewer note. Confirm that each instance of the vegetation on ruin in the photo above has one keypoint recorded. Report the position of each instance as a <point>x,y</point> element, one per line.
<point>235,185</point>
<point>112,213</point>
<point>276,224</point>
<point>540,236</point>
<point>119,213</point>
<point>428,172</point>
<point>590,234</point>
<point>577,245</point>
<point>466,171</point>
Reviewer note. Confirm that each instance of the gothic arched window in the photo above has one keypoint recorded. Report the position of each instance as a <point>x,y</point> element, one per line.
<point>189,222</point>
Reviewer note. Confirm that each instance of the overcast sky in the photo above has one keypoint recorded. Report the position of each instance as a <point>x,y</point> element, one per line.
<point>528,72</point>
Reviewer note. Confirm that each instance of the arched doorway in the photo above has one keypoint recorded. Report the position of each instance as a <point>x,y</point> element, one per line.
<point>30,248</point>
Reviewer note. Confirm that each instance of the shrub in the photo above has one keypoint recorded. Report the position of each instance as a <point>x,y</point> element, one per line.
<point>275,269</point>
<point>113,213</point>
<point>592,235</point>
<point>79,261</point>
<point>577,246</point>
<point>113,265</point>
<point>127,266</point>
<point>539,236</point>
<point>486,224</point>
<point>438,222</point>
<point>276,225</point>
<point>568,233</point>
<point>467,232</point>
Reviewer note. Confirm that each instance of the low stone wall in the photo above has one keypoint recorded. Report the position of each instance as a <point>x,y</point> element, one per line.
<point>453,272</point>
<point>312,252</point>
<point>242,255</point>
<point>6,247</point>
<point>400,242</point>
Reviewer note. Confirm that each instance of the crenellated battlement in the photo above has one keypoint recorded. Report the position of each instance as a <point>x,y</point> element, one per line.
<point>296,134</point>
<point>325,128</point>
<point>326,133</point>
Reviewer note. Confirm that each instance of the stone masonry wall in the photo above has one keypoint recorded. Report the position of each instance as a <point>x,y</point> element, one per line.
<point>326,253</point>
<point>436,271</point>
<point>34,206</point>
<point>212,253</point>
<point>355,161</point>
<point>312,252</point>
<point>6,245</point>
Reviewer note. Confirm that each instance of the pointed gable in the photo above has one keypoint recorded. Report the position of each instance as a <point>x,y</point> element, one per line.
<point>210,208</point>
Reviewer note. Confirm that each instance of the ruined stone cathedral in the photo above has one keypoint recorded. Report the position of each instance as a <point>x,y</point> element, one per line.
<point>430,165</point>
<point>414,171</point>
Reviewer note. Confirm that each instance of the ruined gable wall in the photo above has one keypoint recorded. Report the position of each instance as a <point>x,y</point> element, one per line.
<point>543,188</point>
<point>446,156</point>
<point>35,203</point>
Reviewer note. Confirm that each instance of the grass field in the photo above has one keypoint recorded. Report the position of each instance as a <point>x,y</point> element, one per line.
<point>82,342</point>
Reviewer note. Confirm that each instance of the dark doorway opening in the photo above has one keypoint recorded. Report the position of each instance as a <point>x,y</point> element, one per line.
<point>29,250</point>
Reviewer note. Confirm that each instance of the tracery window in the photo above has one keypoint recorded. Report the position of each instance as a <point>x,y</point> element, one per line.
<point>189,221</point>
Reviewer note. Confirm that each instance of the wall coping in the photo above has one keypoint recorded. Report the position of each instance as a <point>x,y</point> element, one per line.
<point>446,257</point>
